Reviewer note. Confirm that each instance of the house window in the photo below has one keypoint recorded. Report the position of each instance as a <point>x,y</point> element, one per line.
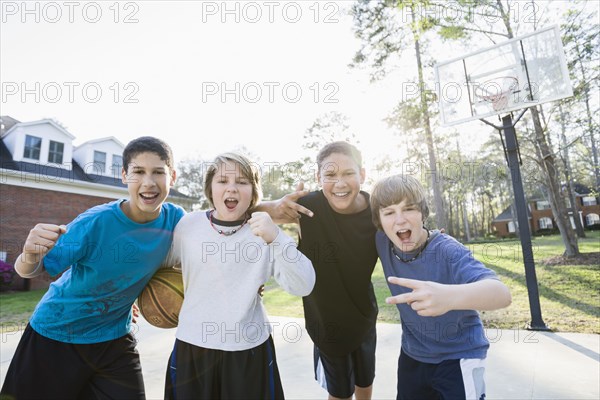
<point>117,164</point>
<point>33,145</point>
<point>589,201</point>
<point>545,223</point>
<point>56,151</point>
<point>542,205</point>
<point>592,219</point>
<point>511,227</point>
<point>100,162</point>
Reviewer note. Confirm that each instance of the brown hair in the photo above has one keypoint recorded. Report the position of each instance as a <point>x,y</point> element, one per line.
<point>341,148</point>
<point>147,144</point>
<point>247,168</point>
<point>395,189</point>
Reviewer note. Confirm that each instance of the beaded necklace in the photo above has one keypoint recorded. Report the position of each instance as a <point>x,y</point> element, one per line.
<point>222,232</point>
<point>416,255</point>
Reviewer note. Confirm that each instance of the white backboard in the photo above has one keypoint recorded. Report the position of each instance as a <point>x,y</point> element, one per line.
<point>519,73</point>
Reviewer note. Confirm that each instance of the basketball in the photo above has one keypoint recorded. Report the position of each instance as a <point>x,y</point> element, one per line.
<point>161,299</point>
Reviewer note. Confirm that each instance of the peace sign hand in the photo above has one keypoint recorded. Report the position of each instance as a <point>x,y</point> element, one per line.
<point>428,299</point>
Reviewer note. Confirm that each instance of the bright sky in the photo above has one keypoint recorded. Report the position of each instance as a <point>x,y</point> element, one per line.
<point>207,77</point>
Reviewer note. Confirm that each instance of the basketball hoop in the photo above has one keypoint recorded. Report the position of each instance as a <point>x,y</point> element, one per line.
<point>497,91</point>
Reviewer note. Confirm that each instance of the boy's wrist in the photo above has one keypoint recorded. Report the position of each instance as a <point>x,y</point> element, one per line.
<point>28,269</point>
<point>29,258</point>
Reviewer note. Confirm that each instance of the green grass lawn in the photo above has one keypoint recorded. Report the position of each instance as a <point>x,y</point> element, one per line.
<point>569,293</point>
<point>16,307</point>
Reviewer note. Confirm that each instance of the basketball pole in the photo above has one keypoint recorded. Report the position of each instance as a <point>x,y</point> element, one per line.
<point>512,158</point>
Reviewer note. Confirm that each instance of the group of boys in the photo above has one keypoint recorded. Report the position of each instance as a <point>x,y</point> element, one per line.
<point>78,342</point>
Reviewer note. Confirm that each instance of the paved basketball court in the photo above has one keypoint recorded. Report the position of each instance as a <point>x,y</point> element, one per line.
<point>521,364</point>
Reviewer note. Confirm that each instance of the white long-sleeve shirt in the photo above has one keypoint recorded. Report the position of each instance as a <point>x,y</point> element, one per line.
<point>221,277</point>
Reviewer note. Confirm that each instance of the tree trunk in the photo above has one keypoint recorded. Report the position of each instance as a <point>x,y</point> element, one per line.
<point>436,178</point>
<point>466,220</point>
<point>568,176</point>
<point>590,127</point>
<point>552,179</point>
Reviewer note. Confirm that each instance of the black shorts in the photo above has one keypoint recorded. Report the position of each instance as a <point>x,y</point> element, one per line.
<point>199,373</point>
<point>339,374</point>
<point>43,368</point>
<point>450,379</point>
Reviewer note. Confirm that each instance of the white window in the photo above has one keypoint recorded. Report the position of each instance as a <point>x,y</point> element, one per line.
<point>589,201</point>
<point>33,145</point>
<point>592,219</point>
<point>542,205</point>
<point>117,164</point>
<point>55,152</point>
<point>511,227</point>
<point>99,162</point>
<point>545,223</point>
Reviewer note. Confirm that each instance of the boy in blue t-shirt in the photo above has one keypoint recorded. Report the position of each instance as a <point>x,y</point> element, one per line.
<point>437,285</point>
<point>78,342</point>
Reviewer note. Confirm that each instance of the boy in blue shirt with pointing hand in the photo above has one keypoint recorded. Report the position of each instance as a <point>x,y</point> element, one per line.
<point>437,285</point>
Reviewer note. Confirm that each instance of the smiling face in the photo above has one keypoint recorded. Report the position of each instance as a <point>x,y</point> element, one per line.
<point>231,192</point>
<point>403,225</point>
<point>148,180</point>
<point>341,177</point>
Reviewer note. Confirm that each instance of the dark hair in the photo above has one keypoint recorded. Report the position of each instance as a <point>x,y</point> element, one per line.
<point>147,144</point>
<point>341,148</point>
<point>395,189</point>
<point>247,169</point>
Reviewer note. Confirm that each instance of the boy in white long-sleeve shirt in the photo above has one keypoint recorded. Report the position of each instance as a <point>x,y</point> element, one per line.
<point>224,347</point>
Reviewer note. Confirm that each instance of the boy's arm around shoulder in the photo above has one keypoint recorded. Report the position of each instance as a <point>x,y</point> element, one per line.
<point>286,210</point>
<point>430,299</point>
<point>39,242</point>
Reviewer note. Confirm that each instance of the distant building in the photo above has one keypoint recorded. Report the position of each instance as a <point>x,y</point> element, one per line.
<point>45,178</point>
<point>541,219</point>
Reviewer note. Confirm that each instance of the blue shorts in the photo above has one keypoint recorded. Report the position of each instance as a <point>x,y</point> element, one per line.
<point>450,379</point>
<point>340,374</point>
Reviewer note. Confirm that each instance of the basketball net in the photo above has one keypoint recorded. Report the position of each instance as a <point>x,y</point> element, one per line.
<point>497,91</point>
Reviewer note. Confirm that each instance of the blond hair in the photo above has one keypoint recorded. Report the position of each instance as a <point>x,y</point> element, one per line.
<point>248,170</point>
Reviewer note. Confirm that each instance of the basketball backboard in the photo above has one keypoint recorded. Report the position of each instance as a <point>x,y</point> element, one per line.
<point>519,73</point>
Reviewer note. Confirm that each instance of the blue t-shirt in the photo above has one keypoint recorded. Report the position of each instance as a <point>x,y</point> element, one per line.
<point>454,335</point>
<point>111,258</point>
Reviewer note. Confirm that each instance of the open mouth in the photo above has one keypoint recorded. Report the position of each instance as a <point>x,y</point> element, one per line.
<point>149,196</point>
<point>231,203</point>
<point>404,234</point>
<point>341,194</point>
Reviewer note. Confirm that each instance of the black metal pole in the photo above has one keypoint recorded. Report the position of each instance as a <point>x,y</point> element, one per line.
<point>510,139</point>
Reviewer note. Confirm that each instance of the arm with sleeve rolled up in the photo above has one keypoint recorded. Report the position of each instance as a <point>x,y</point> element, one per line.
<point>292,270</point>
<point>39,242</point>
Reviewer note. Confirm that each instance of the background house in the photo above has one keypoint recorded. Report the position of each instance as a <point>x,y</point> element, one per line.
<point>541,219</point>
<point>45,178</point>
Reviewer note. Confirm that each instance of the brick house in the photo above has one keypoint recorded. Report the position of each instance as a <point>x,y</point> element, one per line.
<point>45,178</point>
<point>541,219</point>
